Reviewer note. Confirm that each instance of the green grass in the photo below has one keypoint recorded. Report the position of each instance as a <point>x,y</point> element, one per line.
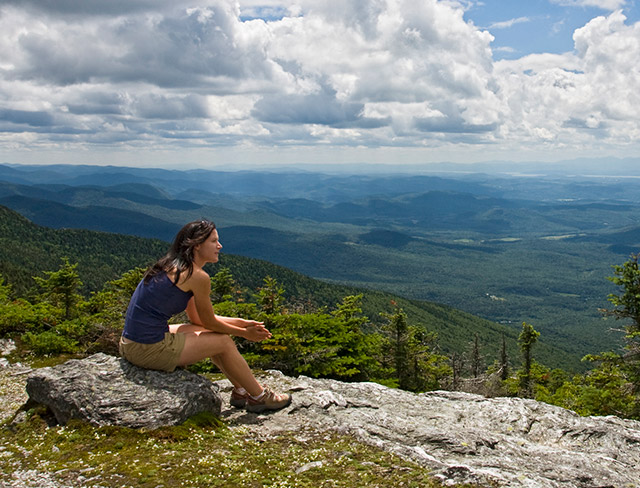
<point>203,452</point>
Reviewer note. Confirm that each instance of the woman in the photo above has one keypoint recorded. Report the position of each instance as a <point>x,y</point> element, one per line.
<point>178,282</point>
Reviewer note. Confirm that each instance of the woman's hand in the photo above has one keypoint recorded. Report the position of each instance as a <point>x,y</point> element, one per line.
<point>256,332</point>
<point>238,322</point>
<point>247,323</point>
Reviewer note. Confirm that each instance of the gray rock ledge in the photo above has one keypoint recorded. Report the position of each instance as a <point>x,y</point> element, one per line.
<point>463,437</point>
<point>105,390</point>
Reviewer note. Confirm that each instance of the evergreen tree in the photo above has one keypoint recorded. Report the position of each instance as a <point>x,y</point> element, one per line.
<point>5,291</point>
<point>457,365</point>
<point>350,310</point>
<point>320,344</point>
<point>270,296</point>
<point>627,307</point>
<point>19,315</point>
<point>428,369</point>
<point>127,283</point>
<point>354,344</point>
<point>504,360</point>
<point>109,305</point>
<point>62,286</point>
<point>222,286</point>
<point>417,367</point>
<point>476,359</point>
<point>398,329</point>
<point>528,337</point>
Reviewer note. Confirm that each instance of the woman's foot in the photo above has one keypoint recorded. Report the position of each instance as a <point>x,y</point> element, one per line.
<point>269,400</point>
<point>239,397</point>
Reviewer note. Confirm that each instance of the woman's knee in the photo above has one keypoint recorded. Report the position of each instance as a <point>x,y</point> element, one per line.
<point>227,344</point>
<point>201,346</point>
<point>215,343</point>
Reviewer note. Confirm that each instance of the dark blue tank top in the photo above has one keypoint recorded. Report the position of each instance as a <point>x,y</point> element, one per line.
<point>151,307</point>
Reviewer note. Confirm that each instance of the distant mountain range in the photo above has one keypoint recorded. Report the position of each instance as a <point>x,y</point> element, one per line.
<point>608,167</point>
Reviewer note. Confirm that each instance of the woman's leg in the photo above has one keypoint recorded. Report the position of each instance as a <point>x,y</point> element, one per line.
<point>201,343</point>
<point>184,328</point>
<point>217,360</point>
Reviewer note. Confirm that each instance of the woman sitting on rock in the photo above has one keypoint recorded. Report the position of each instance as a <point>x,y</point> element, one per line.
<point>176,283</point>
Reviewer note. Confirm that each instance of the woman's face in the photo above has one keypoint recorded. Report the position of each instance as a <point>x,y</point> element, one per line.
<point>209,250</point>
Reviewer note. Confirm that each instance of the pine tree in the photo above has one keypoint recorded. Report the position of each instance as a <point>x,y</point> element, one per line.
<point>457,365</point>
<point>504,360</point>
<point>476,358</point>
<point>222,286</point>
<point>109,305</point>
<point>528,337</point>
<point>5,291</point>
<point>627,307</point>
<point>62,286</point>
<point>398,330</point>
<point>270,296</point>
<point>428,368</point>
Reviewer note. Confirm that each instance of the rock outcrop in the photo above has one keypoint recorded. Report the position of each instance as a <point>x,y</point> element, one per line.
<point>463,437</point>
<point>105,390</point>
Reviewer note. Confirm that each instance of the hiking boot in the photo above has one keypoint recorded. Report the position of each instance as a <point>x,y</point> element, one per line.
<point>269,401</point>
<point>238,400</point>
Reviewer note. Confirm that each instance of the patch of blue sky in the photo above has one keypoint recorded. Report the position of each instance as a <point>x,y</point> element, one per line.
<point>266,13</point>
<point>520,28</point>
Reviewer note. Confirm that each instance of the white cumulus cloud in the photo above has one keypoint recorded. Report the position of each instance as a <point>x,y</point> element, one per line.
<point>355,73</point>
<point>581,97</point>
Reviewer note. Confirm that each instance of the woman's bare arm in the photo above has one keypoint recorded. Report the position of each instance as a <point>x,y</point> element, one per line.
<point>200,312</point>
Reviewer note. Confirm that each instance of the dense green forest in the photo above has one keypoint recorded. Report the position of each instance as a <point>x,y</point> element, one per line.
<point>319,329</point>
<point>27,250</point>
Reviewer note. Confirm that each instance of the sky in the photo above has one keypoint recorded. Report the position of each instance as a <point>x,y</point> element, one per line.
<point>228,84</point>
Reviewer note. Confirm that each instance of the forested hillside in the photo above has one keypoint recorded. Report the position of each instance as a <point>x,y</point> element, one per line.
<point>26,250</point>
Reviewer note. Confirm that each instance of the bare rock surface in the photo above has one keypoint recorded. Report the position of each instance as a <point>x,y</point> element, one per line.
<point>105,390</point>
<point>463,437</point>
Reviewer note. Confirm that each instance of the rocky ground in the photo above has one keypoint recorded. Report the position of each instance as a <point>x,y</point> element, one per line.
<point>12,390</point>
<point>236,453</point>
<point>464,438</point>
<point>13,378</point>
<point>461,437</point>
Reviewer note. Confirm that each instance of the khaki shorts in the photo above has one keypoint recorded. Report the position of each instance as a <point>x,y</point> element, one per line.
<point>163,355</point>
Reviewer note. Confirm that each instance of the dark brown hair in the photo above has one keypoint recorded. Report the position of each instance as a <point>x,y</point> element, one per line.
<point>180,254</point>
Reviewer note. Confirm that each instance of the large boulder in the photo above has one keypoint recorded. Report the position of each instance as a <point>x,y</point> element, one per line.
<point>105,390</point>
